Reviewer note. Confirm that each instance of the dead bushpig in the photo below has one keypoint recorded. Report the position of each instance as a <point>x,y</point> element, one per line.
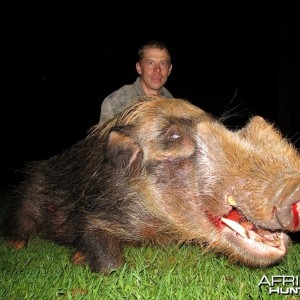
<point>165,171</point>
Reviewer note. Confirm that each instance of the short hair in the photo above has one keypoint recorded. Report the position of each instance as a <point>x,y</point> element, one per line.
<point>153,44</point>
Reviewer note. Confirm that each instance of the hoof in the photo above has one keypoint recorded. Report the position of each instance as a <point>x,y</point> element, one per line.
<point>78,258</point>
<point>17,244</point>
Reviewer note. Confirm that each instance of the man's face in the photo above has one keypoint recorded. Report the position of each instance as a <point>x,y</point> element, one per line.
<point>154,69</point>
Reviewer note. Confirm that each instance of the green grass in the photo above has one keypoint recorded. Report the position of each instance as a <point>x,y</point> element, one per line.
<point>43,271</point>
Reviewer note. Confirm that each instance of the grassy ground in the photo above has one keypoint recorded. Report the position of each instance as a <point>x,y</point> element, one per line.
<point>43,271</point>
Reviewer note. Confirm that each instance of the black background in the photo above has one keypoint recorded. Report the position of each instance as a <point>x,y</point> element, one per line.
<point>61,62</point>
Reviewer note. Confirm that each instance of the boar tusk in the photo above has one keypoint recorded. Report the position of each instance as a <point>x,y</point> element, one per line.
<point>236,227</point>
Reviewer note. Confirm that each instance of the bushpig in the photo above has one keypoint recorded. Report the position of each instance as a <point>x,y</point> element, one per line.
<point>165,171</point>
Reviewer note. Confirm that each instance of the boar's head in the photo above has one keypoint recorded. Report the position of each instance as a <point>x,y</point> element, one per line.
<point>193,179</point>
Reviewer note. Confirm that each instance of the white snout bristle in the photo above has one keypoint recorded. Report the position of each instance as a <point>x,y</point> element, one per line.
<point>231,201</point>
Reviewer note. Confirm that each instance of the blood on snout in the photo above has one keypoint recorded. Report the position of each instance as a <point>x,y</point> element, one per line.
<point>214,219</point>
<point>296,215</point>
<point>235,215</point>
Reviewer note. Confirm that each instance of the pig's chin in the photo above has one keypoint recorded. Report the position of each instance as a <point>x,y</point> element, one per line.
<point>256,246</point>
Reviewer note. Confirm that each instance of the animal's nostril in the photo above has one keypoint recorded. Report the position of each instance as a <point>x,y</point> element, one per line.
<point>287,204</point>
<point>289,216</point>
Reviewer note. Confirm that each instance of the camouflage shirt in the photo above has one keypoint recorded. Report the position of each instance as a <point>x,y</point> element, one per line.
<point>118,100</point>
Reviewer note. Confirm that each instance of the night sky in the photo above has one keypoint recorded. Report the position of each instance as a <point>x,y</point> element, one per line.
<point>62,62</point>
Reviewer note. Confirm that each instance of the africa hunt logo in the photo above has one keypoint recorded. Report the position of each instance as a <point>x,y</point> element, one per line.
<point>281,284</point>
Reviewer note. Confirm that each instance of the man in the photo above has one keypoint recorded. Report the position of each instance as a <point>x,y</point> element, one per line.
<point>154,67</point>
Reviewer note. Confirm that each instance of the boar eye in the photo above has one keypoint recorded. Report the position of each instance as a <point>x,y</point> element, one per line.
<point>173,133</point>
<point>175,136</point>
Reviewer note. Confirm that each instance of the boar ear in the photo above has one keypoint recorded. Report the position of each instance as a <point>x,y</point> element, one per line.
<point>260,129</point>
<point>122,150</point>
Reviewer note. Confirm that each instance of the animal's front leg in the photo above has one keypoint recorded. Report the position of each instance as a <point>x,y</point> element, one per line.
<point>101,250</point>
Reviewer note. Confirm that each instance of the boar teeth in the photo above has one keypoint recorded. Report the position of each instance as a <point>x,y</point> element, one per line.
<point>273,240</point>
<point>236,227</point>
<point>272,243</point>
<point>231,201</point>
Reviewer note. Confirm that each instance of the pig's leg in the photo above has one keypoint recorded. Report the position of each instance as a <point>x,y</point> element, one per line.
<point>22,224</point>
<point>101,250</point>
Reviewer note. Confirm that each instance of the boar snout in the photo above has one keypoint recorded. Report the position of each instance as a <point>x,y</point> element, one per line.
<point>287,204</point>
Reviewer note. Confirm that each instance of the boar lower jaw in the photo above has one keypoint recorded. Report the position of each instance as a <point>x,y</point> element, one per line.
<point>258,242</point>
<point>271,239</point>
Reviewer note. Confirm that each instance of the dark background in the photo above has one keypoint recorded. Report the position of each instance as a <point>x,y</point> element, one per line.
<point>61,62</point>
